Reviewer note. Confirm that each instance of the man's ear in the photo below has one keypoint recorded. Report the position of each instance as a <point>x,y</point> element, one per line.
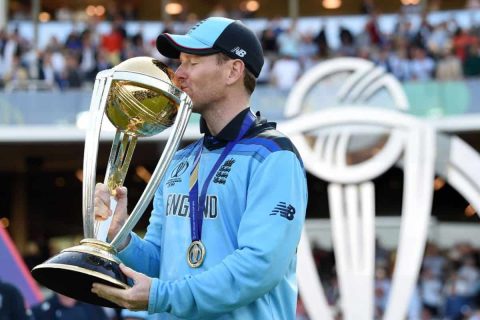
<point>236,71</point>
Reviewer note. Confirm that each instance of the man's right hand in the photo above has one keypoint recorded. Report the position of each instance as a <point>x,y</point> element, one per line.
<point>102,209</point>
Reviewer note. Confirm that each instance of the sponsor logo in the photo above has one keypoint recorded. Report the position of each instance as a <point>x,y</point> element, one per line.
<point>286,211</point>
<point>177,172</point>
<point>222,173</point>
<point>239,52</point>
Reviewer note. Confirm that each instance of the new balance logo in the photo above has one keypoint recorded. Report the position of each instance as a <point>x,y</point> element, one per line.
<point>285,211</point>
<point>239,52</point>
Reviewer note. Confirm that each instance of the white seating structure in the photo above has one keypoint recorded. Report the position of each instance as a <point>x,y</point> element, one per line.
<point>324,139</point>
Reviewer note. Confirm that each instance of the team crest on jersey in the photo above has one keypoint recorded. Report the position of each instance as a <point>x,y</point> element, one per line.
<point>222,173</point>
<point>284,210</point>
<point>177,172</point>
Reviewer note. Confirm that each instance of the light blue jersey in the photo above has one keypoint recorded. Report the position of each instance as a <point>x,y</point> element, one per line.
<point>254,213</point>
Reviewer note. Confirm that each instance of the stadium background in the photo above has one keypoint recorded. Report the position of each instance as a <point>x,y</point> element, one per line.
<point>42,106</point>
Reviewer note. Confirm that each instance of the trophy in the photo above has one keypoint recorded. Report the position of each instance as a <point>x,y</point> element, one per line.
<point>140,99</point>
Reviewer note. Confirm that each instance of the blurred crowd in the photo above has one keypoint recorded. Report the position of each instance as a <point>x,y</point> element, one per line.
<point>449,283</point>
<point>448,287</point>
<point>412,52</point>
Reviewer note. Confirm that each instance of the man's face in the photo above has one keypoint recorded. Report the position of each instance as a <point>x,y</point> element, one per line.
<point>202,78</point>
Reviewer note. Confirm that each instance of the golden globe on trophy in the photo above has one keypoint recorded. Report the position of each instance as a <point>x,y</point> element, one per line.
<point>140,99</point>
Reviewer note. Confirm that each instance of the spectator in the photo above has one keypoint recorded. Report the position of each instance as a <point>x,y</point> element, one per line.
<point>322,43</point>
<point>400,64</point>
<point>88,56</point>
<point>113,42</point>
<point>347,42</point>
<point>423,32</point>
<point>383,59</point>
<point>12,50</point>
<point>449,67</point>
<point>74,41</point>
<point>461,41</point>
<point>47,72</point>
<point>12,305</point>
<point>16,73</point>
<point>285,72</point>
<point>457,298</point>
<point>289,42</point>
<point>135,47</point>
<point>375,36</point>
<point>71,74</point>
<point>307,52</point>
<point>471,65</point>
<point>103,62</point>
<point>421,66</point>
<point>431,292</point>
<point>403,29</point>
<point>469,271</point>
<point>61,307</point>
<point>268,40</point>
<point>440,40</point>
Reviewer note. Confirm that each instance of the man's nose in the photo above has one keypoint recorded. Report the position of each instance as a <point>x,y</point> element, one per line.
<point>180,72</point>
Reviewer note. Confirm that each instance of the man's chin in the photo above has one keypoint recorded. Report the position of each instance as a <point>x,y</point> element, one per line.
<point>196,108</point>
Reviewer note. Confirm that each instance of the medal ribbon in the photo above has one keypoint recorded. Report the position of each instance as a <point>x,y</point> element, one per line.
<point>197,204</point>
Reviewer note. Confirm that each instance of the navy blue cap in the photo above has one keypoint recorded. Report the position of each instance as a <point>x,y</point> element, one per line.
<point>214,35</point>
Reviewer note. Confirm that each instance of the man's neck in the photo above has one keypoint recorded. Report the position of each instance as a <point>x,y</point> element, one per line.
<point>217,118</point>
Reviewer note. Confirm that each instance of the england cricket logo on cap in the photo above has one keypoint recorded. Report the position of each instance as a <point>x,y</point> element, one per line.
<point>328,140</point>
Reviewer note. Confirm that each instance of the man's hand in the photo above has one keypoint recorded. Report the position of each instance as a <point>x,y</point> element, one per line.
<point>134,298</point>
<point>102,209</point>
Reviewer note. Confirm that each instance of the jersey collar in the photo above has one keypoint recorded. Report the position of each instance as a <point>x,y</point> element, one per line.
<point>229,133</point>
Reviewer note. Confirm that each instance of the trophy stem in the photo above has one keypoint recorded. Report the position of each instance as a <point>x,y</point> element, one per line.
<point>117,168</point>
<point>173,141</point>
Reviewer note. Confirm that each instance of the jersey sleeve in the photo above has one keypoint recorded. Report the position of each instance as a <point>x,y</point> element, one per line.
<point>149,248</point>
<point>268,236</point>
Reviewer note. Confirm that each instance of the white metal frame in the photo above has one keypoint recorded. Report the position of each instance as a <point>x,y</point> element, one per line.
<point>413,143</point>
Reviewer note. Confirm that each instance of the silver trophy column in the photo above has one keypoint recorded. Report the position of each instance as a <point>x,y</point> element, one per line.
<point>140,99</point>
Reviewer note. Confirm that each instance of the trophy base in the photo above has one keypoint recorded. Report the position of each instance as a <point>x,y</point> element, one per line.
<point>73,271</point>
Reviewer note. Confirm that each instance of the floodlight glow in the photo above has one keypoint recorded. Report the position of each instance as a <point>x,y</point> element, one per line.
<point>173,8</point>
<point>332,4</point>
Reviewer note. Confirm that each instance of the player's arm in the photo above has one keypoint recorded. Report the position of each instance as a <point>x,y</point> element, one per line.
<point>143,255</point>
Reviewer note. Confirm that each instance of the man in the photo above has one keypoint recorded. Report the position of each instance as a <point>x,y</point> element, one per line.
<point>12,305</point>
<point>227,218</point>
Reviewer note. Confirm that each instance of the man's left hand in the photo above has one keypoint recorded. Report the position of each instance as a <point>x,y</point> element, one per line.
<point>134,298</point>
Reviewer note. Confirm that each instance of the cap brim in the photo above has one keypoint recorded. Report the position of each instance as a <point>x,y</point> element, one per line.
<point>170,46</point>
